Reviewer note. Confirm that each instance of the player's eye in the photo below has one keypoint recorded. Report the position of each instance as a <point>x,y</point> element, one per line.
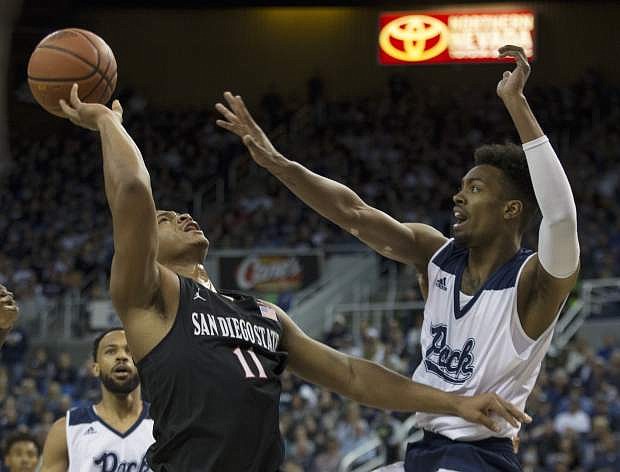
<point>475,189</point>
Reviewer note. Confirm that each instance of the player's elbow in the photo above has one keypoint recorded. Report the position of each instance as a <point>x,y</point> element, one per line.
<point>354,383</point>
<point>132,187</point>
<point>562,223</point>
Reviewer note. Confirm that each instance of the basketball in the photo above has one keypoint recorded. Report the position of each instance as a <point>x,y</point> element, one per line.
<point>71,56</point>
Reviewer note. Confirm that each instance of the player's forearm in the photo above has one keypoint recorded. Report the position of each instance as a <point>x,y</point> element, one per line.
<point>523,118</point>
<point>123,166</point>
<point>378,387</point>
<point>558,247</point>
<point>330,199</point>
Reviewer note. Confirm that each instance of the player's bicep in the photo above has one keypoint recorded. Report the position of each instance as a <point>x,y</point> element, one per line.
<point>134,275</point>
<point>540,296</point>
<point>55,457</point>
<point>313,361</point>
<point>409,243</point>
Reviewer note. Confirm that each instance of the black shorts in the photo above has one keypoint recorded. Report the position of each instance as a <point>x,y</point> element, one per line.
<point>435,452</point>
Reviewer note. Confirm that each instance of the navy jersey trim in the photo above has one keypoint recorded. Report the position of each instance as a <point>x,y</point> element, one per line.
<point>81,415</point>
<point>448,258</point>
<point>504,277</point>
<point>143,415</point>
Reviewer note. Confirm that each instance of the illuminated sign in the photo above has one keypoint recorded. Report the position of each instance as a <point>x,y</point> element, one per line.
<point>440,38</point>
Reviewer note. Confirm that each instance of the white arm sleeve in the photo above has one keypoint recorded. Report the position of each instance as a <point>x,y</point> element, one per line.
<point>558,246</point>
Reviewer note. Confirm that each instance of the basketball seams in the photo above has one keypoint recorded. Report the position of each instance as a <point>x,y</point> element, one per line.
<point>108,53</point>
<point>92,44</point>
<point>70,53</point>
<point>102,76</point>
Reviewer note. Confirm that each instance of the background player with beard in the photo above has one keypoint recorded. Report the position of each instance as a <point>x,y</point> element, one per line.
<point>491,305</point>
<point>210,361</point>
<point>115,433</point>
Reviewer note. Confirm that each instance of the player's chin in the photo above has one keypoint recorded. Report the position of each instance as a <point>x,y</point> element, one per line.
<point>461,236</point>
<point>196,236</point>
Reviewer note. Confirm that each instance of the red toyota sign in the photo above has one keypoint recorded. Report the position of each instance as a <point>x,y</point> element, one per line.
<point>453,37</point>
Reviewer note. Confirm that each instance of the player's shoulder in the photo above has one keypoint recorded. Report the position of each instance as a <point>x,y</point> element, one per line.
<point>58,430</point>
<point>80,415</point>
<point>427,241</point>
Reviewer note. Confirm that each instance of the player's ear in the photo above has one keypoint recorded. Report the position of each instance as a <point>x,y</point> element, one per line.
<point>95,370</point>
<point>513,209</point>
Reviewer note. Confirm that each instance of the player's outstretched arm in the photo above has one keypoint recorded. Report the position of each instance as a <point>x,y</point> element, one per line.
<point>412,243</point>
<point>135,274</point>
<point>55,456</point>
<point>371,384</point>
<point>552,275</point>
<point>8,312</point>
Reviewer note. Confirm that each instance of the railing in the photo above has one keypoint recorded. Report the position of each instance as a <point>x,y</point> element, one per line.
<point>365,458</point>
<point>593,296</point>
<point>372,453</point>
<point>311,306</point>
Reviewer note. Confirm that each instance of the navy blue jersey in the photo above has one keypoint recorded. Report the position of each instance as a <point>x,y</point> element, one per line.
<point>214,386</point>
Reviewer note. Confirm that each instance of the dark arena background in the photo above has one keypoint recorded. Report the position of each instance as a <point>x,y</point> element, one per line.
<point>400,132</point>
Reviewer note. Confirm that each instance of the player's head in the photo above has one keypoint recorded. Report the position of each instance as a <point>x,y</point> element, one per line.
<point>496,198</point>
<point>21,452</point>
<point>180,239</point>
<point>113,364</point>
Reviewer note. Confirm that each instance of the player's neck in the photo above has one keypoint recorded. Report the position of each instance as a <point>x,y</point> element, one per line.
<point>192,271</point>
<point>116,407</point>
<point>485,259</point>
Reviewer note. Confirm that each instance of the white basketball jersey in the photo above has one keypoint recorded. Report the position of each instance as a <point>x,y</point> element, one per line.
<point>94,445</point>
<point>473,345</point>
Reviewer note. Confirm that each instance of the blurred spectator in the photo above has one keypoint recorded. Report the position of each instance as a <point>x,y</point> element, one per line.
<point>14,353</point>
<point>575,419</point>
<point>21,453</point>
<point>328,460</point>
<point>66,373</point>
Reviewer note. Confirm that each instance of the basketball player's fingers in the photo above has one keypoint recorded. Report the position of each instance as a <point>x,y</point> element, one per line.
<point>229,126</point>
<point>518,54</point>
<point>521,416</point>
<point>502,411</point>
<point>74,97</point>
<point>229,115</point>
<point>506,74</point>
<point>117,107</point>
<point>247,116</point>
<point>232,102</point>
<point>486,420</point>
<point>70,113</point>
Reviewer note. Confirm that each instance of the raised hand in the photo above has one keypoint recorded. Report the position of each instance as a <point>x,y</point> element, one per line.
<point>481,408</point>
<point>512,83</point>
<point>8,309</point>
<point>88,115</point>
<point>239,121</point>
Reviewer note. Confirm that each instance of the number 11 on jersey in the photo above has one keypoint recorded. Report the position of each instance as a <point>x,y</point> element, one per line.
<point>246,368</point>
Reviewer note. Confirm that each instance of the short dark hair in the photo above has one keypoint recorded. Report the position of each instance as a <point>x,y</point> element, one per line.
<point>21,436</point>
<point>98,339</point>
<point>510,159</point>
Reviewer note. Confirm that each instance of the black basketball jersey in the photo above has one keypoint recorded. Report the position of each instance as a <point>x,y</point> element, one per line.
<point>214,386</point>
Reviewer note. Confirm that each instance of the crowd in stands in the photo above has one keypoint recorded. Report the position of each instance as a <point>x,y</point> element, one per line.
<point>403,150</point>
<point>575,404</point>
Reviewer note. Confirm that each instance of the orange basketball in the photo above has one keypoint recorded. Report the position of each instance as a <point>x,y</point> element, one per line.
<point>71,56</point>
